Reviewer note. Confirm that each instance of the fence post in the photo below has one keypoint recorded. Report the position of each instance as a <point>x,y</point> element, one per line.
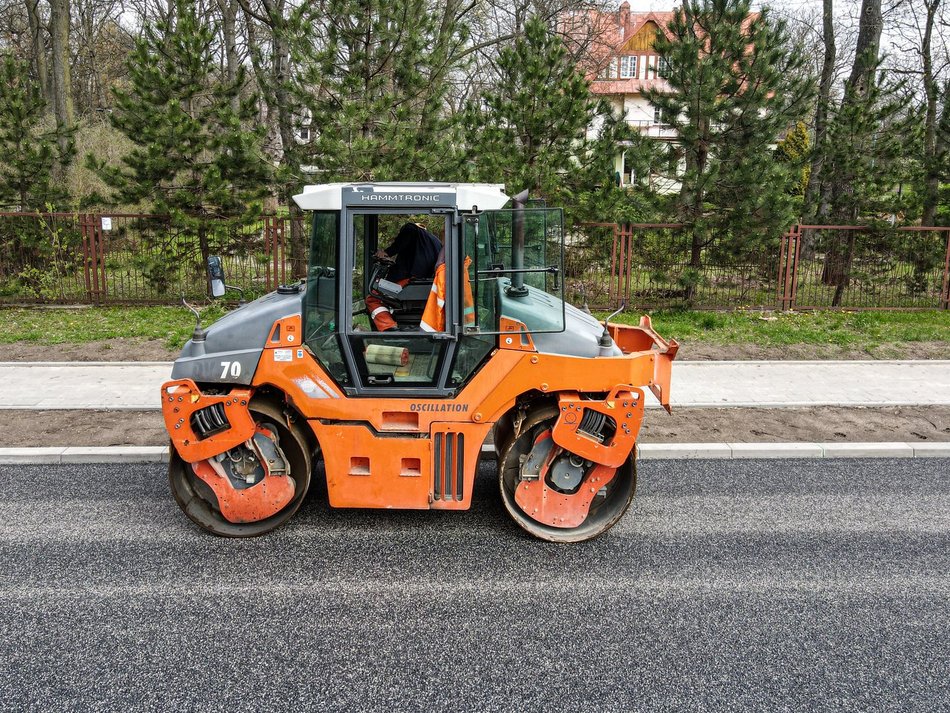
<point>789,255</point>
<point>279,252</point>
<point>628,272</point>
<point>270,247</point>
<point>267,250</point>
<point>613,267</point>
<point>945,293</point>
<point>94,257</point>
<point>274,229</point>
<point>86,254</point>
<point>797,239</point>
<point>780,281</point>
<point>98,231</point>
<point>621,263</point>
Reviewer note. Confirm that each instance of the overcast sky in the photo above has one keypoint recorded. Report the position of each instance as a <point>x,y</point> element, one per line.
<point>846,12</point>
<point>644,5</point>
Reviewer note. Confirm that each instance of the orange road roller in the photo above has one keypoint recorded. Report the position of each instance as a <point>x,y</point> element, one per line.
<point>430,331</point>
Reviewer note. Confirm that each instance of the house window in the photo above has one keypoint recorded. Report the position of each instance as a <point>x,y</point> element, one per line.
<point>628,67</point>
<point>661,117</point>
<point>609,70</point>
<point>303,133</point>
<point>663,67</point>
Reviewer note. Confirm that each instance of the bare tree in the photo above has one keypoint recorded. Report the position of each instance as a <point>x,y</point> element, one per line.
<point>840,191</point>
<point>100,46</point>
<point>813,189</point>
<point>62,78</point>
<point>271,61</point>
<point>925,59</point>
<point>229,10</point>
<point>37,36</point>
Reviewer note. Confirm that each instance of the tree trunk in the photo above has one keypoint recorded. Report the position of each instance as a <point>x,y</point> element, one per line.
<point>62,84</point>
<point>691,202</point>
<point>815,209</point>
<point>842,263</point>
<point>285,117</point>
<point>867,51</point>
<point>932,168</point>
<point>280,106</point>
<point>924,260</point>
<point>94,95</point>
<point>288,136</point>
<point>288,139</point>
<point>229,37</point>
<point>837,266</point>
<point>39,47</point>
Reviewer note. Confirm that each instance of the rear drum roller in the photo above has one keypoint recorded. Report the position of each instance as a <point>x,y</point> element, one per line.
<point>608,504</point>
<point>198,500</point>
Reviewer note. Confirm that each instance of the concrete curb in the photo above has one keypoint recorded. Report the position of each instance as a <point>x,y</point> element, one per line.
<point>652,451</point>
<point>84,454</point>
<point>648,451</point>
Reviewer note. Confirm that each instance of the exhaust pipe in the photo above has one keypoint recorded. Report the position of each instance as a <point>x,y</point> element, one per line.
<point>517,288</point>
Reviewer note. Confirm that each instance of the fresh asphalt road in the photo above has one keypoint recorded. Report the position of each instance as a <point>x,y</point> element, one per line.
<point>738,585</point>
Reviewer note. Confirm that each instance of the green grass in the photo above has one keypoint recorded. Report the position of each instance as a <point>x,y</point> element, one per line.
<point>172,325</point>
<point>845,329</point>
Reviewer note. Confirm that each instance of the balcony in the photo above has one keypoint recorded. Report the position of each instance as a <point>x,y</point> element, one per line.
<point>652,128</point>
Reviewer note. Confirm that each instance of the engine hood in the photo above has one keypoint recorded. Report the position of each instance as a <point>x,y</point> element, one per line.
<point>233,345</point>
<point>541,314</point>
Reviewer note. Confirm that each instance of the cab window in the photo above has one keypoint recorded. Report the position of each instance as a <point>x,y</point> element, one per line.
<point>397,295</point>
<point>320,304</point>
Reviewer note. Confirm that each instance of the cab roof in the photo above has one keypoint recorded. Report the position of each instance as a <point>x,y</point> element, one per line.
<point>462,196</point>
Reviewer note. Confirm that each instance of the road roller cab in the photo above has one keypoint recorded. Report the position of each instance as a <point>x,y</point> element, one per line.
<point>481,351</point>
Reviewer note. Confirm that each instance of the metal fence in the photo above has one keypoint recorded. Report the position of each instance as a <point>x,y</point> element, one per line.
<point>129,258</point>
<point>856,267</point>
<point>133,258</point>
<point>657,265</point>
<point>652,265</point>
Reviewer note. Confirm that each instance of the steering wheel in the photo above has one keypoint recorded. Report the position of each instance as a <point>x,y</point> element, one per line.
<point>380,268</point>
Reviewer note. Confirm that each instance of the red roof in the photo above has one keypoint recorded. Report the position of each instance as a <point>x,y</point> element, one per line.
<point>605,34</point>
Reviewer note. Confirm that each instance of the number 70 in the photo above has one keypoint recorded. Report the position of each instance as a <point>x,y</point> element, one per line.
<point>230,368</point>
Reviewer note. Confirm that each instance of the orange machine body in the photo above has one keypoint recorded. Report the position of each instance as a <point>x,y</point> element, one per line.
<point>423,453</point>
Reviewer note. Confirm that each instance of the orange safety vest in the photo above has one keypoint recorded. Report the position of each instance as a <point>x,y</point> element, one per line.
<point>433,318</point>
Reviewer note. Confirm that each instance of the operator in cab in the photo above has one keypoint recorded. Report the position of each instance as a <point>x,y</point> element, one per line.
<point>415,251</point>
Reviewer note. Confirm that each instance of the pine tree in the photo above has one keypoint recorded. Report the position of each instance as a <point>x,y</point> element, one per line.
<point>28,153</point>
<point>942,158</point>
<point>734,87</point>
<point>194,156</point>
<point>375,89</point>
<point>863,153</point>
<point>865,160</point>
<point>539,127</point>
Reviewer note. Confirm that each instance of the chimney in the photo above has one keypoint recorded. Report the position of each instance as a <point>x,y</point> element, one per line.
<point>623,16</point>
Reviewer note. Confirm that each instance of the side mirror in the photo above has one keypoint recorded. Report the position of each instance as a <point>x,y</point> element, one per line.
<point>216,274</point>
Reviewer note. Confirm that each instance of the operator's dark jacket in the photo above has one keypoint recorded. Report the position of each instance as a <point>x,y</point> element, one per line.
<point>416,250</point>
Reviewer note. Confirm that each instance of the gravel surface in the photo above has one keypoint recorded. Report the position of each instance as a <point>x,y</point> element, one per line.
<point>780,585</point>
<point>912,424</point>
<point>115,349</point>
<point>132,349</point>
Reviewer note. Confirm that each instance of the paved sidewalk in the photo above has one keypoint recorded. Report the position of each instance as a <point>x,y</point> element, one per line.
<point>762,384</point>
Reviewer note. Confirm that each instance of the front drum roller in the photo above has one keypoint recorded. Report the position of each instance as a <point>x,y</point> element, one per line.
<point>612,491</point>
<point>199,502</point>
